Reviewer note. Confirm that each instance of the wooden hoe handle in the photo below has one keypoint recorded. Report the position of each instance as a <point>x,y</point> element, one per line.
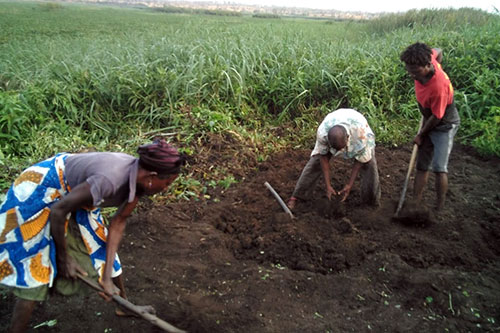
<point>405,186</point>
<point>278,198</point>
<point>410,168</point>
<point>134,308</point>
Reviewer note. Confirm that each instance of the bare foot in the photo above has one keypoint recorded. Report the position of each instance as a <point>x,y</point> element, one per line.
<point>121,312</point>
<point>292,202</point>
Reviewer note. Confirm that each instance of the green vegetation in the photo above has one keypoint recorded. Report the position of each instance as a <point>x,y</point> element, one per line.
<point>266,16</point>
<point>448,19</point>
<point>50,6</point>
<point>75,76</point>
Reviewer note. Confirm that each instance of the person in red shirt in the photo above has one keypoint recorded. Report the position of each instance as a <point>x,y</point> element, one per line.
<point>434,93</point>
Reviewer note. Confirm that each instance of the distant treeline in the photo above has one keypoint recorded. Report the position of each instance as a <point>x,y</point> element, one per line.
<point>181,10</point>
<point>266,16</point>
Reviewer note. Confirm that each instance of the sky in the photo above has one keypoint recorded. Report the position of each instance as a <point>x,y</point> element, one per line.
<point>374,6</point>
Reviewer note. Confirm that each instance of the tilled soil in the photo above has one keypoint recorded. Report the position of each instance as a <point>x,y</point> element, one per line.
<point>240,264</point>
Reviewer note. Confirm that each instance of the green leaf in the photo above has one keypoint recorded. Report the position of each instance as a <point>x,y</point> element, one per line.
<point>48,323</point>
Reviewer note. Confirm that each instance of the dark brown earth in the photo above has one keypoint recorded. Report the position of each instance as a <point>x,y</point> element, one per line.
<point>239,264</point>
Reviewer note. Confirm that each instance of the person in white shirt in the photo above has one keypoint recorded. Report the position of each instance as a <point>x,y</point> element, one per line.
<point>346,133</point>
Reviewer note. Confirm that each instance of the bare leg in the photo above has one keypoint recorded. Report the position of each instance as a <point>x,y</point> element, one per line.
<point>441,189</point>
<point>118,281</point>
<point>21,315</point>
<point>418,188</point>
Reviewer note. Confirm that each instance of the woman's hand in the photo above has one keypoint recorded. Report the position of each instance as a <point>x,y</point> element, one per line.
<point>69,268</point>
<point>109,289</point>
<point>418,140</point>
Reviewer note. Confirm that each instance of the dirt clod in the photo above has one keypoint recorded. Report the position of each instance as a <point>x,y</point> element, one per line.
<point>412,214</point>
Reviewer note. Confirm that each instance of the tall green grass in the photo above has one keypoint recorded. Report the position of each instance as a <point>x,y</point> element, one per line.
<point>450,19</point>
<point>74,76</point>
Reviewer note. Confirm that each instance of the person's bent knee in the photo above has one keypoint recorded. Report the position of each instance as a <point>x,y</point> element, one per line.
<point>440,170</point>
<point>371,198</point>
<point>36,294</point>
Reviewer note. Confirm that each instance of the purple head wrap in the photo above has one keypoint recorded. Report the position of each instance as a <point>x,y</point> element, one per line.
<point>160,157</point>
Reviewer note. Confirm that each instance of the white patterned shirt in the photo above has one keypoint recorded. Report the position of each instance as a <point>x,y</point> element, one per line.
<point>360,142</point>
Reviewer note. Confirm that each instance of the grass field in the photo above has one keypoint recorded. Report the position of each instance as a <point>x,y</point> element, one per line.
<point>79,76</point>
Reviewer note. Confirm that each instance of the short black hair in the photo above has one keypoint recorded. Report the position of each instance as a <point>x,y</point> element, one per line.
<point>417,54</point>
<point>337,136</point>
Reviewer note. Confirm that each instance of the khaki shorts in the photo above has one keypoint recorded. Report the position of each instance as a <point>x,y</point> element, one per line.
<point>66,287</point>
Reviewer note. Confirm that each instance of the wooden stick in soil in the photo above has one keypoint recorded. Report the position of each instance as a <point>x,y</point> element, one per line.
<point>278,198</point>
<point>134,308</point>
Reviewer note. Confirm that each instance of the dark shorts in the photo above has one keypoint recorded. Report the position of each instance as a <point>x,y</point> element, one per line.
<point>435,149</point>
<point>66,287</point>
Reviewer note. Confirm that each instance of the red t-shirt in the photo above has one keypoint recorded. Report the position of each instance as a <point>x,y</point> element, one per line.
<point>437,93</point>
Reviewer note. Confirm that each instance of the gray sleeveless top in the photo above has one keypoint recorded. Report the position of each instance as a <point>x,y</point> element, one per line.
<point>112,176</point>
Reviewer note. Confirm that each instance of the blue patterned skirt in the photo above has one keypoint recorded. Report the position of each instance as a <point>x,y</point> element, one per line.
<point>27,250</point>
